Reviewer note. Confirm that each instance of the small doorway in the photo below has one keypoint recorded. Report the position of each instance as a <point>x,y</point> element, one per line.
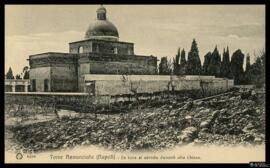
<point>90,87</point>
<point>80,49</point>
<point>46,85</point>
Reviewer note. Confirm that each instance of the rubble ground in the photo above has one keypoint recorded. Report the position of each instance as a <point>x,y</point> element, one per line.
<point>236,118</point>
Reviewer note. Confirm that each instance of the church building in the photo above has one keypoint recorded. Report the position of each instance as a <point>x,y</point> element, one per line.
<point>100,52</point>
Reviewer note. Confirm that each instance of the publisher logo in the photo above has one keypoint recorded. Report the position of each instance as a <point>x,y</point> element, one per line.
<point>19,156</point>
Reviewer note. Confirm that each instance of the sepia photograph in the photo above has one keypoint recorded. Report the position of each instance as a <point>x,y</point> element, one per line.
<point>103,83</point>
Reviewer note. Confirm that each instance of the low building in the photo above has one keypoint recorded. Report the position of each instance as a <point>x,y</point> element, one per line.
<point>17,85</point>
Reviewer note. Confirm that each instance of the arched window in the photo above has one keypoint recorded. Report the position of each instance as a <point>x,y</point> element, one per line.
<point>129,51</point>
<point>81,49</point>
<point>115,50</point>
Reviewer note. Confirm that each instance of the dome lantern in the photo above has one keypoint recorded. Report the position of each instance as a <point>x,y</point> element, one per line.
<point>101,13</point>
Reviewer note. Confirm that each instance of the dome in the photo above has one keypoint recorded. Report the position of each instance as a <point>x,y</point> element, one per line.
<point>102,28</point>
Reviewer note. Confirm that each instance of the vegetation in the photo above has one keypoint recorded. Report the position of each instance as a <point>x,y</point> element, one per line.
<point>164,67</point>
<point>23,75</point>
<point>25,72</point>
<point>215,66</point>
<point>225,64</point>
<point>194,62</point>
<point>255,73</point>
<point>9,74</point>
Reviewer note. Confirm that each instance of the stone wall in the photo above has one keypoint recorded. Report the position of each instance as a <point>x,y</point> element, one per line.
<point>109,91</point>
<point>43,98</point>
<point>119,88</point>
<point>130,84</point>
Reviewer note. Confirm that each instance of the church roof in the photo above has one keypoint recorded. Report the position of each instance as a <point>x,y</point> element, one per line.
<point>101,28</point>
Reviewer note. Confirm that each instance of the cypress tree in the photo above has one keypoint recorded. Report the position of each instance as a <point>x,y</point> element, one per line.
<point>247,63</point>
<point>237,70</point>
<point>194,62</point>
<point>214,63</point>
<point>176,66</point>
<point>206,63</point>
<point>247,71</point>
<point>183,58</point>
<point>225,65</point>
<point>222,68</point>
<point>183,63</point>
<point>178,56</point>
<point>9,74</point>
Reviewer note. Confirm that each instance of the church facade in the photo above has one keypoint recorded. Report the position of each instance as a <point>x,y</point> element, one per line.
<point>100,52</point>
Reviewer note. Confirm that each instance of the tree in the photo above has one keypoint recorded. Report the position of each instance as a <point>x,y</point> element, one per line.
<point>183,63</point>
<point>9,74</point>
<point>206,63</point>
<point>237,70</point>
<point>25,72</point>
<point>164,66</point>
<point>260,81</point>
<point>176,63</point>
<point>174,66</point>
<point>214,63</point>
<point>225,64</point>
<point>247,71</point>
<point>178,56</point>
<point>170,66</point>
<point>183,58</point>
<point>248,63</point>
<point>194,62</point>
<point>256,73</point>
<point>18,76</point>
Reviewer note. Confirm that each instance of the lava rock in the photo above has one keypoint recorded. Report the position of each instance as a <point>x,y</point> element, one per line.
<point>205,124</point>
<point>188,134</point>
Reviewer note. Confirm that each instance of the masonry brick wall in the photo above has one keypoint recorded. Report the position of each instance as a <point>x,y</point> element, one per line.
<point>117,85</point>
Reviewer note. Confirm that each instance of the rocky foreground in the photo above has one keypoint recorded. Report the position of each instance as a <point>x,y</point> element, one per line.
<point>237,118</point>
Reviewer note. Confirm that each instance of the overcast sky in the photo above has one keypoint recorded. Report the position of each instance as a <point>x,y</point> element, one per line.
<point>155,29</point>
